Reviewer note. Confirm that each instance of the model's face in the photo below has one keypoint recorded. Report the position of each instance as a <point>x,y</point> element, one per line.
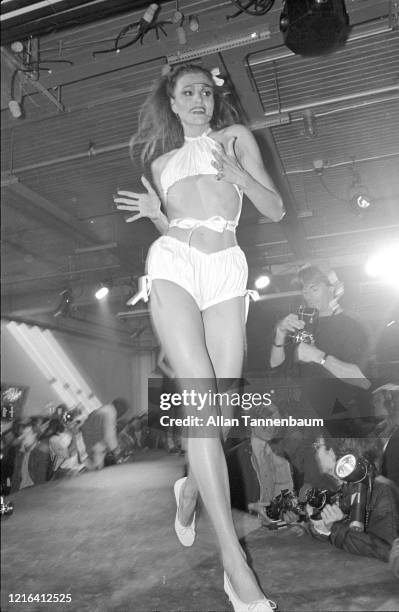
<point>193,100</point>
<point>317,295</point>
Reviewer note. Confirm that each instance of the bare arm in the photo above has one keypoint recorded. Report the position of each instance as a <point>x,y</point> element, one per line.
<point>144,204</point>
<point>242,164</point>
<point>161,223</point>
<point>350,372</point>
<point>309,353</point>
<point>290,323</point>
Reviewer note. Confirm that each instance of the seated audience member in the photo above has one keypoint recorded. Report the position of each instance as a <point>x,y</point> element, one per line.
<point>99,434</point>
<point>386,411</point>
<point>381,516</point>
<point>270,464</point>
<point>139,434</point>
<point>122,408</point>
<point>394,558</point>
<point>65,458</point>
<point>32,461</point>
<point>10,432</point>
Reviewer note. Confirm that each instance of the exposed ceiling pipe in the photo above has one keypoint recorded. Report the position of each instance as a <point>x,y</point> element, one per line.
<point>336,100</point>
<point>43,277</point>
<point>90,153</point>
<point>47,16</point>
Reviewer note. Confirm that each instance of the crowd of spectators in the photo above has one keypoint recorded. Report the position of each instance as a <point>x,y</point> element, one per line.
<point>71,441</point>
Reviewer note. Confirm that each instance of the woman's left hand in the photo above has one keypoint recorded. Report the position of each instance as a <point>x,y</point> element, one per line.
<point>226,163</point>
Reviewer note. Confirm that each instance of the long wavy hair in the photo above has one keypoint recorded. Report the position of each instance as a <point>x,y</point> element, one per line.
<point>159,129</point>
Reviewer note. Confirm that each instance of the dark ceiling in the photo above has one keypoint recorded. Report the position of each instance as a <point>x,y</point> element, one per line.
<point>66,156</point>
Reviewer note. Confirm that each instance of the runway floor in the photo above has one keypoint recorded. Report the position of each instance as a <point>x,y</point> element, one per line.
<point>107,539</point>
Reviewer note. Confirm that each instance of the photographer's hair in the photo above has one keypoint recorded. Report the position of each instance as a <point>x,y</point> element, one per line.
<point>369,447</point>
<point>390,396</point>
<point>310,274</point>
<point>159,129</point>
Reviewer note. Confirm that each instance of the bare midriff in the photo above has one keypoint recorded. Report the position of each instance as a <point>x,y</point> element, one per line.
<point>202,197</point>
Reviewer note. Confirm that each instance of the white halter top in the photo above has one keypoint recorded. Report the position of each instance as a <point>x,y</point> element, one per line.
<point>192,159</point>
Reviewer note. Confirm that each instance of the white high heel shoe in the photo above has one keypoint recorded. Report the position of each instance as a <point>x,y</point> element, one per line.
<point>259,605</point>
<point>186,535</point>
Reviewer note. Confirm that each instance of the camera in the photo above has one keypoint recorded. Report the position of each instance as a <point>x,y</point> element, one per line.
<point>286,501</point>
<point>310,317</point>
<point>6,508</point>
<point>319,498</point>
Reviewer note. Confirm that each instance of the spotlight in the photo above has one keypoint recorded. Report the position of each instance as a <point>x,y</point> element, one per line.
<point>359,195</point>
<point>262,282</point>
<point>15,109</point>
<point>314,27</point>
<point>193,23</point>
<point>385,265</point>
<point>64,307</point>
<point>17,46</point>
<point>101,292</point>
<point>360,198</point>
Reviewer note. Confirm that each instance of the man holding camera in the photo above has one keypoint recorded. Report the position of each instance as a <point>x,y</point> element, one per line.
<point>337,351</point>
<point>363,518</point>
<point>328,360</point>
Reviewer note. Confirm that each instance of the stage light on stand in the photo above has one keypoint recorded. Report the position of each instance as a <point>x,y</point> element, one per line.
<point>101,292</point>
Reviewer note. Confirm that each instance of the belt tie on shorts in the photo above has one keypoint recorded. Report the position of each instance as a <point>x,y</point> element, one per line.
<point>216,223</point>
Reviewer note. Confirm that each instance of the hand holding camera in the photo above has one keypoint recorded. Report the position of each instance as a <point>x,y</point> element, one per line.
<point>297,328</point>
<point>289,325</point>
<point>331,514</point>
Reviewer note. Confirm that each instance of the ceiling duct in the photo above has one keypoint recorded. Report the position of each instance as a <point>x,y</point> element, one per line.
<point>314,27</point>
<point>21,19</point>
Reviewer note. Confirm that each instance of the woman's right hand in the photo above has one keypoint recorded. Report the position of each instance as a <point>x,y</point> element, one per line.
<point>142,204</point>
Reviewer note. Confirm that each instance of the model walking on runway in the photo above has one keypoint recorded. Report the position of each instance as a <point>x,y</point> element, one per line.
<point>202,163</point>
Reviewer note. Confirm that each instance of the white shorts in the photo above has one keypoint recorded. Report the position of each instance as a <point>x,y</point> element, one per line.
<point>210,278</point>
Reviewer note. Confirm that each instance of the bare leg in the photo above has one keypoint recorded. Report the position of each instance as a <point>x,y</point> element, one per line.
<point>224,326</point>
<point>225,338</point>
<point>182,333</point>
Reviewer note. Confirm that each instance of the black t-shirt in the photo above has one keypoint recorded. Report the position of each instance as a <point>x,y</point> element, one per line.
<point>329,397</point>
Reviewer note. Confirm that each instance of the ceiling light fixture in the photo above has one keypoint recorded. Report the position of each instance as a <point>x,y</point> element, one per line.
<point>359,195</point>
<point>101,292</point>
<point>262,282</point>
<point>314,27</point>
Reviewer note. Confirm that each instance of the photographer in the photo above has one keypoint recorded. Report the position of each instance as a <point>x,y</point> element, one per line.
<point>328,361</point>
<point>386,411</point>
<point>380,518</point>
